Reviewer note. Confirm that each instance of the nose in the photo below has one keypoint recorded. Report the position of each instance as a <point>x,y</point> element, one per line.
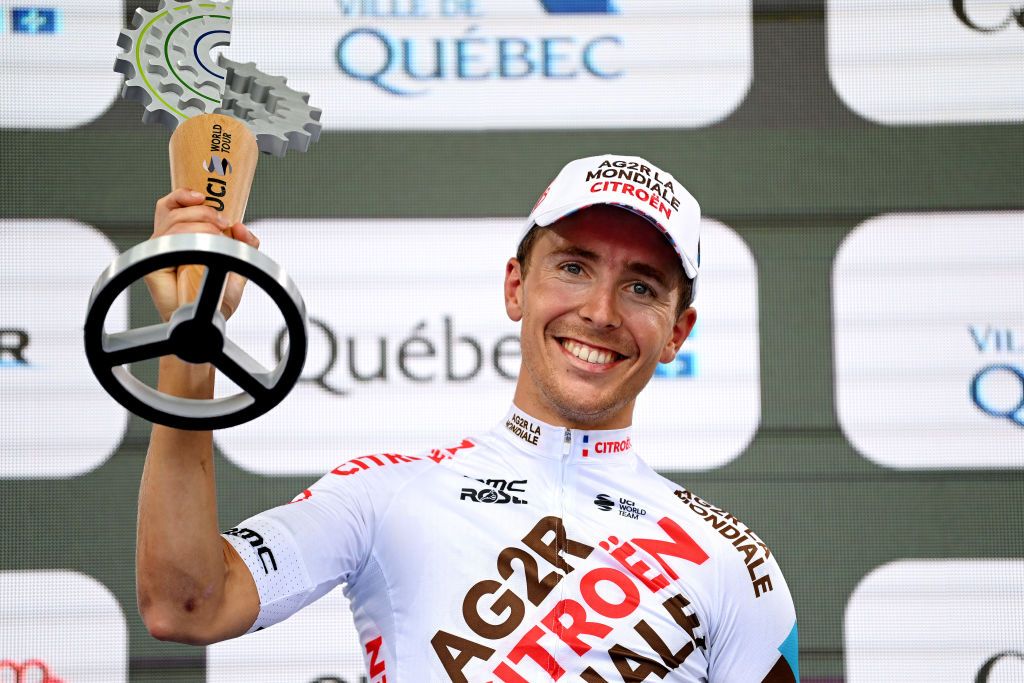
<point>600,307</point>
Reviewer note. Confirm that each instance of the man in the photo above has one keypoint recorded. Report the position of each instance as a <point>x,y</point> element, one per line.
<point>497,558</point>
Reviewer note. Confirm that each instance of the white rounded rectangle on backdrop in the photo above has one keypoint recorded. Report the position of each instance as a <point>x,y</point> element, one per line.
<point>318,642</point>
<point>920,621</point>
<point>505,64</point>
<point>927,308</point>
<point>58,69</point>
<point>63,623</point>
<point>57,419</point>
<point>901,62</point>
<point>432,291</point>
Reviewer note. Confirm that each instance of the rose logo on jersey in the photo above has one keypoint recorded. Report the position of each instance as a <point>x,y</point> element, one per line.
<point>497,491</point>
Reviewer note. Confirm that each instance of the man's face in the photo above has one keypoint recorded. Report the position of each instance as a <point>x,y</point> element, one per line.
<point>598,309</point>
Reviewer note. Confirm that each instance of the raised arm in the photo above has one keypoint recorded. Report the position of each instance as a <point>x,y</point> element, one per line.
<point>191,585</point>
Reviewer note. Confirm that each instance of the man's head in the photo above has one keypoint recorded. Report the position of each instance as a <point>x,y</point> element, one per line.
<point>602,288</point>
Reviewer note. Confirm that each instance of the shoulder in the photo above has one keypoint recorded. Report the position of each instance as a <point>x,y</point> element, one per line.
<point>754,628</point>
<point>743,558</point>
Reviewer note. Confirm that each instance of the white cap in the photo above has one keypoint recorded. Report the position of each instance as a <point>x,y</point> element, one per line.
<point>630,183</point>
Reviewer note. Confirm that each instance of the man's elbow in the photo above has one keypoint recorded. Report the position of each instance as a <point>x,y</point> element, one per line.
<point>170,626</point>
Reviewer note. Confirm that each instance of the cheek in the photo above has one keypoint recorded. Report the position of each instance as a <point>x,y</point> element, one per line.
<point>655,332</point>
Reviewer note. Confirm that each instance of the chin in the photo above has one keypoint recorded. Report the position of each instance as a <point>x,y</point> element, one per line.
<point>585,411</point>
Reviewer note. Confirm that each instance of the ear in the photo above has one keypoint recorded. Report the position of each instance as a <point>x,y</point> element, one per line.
<point>514,290</point>
<point>680,331</point>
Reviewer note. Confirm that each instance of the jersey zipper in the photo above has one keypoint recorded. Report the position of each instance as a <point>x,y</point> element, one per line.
<point>566,449</point>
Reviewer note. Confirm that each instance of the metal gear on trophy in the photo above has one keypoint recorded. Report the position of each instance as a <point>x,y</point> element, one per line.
<point>222,114</point>
<point>168,67</point>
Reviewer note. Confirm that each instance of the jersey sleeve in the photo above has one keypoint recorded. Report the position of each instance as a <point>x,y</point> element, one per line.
<point>298,552</point>
<point>756,637</point>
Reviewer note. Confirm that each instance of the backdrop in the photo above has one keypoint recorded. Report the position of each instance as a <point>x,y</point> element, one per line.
<point>854,390</point>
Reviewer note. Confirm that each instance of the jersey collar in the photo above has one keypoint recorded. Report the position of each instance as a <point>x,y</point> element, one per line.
<point>527,433</point>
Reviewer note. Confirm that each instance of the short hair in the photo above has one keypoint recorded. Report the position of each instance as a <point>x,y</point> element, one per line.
<point>530,238</point>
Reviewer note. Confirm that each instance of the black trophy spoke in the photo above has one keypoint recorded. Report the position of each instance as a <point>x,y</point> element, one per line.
<point>132,346</point>
<point>243,370</point>
<point>210,292</point>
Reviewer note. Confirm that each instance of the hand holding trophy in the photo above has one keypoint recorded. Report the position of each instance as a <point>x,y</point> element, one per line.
<point>223,113</point>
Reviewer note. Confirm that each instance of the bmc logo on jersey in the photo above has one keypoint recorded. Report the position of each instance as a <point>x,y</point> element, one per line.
<point>497,491</point>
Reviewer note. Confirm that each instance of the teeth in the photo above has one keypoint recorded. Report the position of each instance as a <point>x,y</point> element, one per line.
<point>586,353</point>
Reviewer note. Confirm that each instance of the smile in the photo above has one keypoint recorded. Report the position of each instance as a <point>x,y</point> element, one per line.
<point>589,354</point>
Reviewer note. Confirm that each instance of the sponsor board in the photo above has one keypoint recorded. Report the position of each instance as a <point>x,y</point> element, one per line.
<point>57,62</point>
<point>410,347</point>
<point>60,626</point>
<point>928,61</point>
<point>45,379</point>
<point>500,64</point>
<point>929,339</point>
<point>919,621</point>
<point>319,643</point>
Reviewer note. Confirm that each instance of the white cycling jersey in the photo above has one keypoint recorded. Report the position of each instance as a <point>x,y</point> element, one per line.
<point>532,553</point>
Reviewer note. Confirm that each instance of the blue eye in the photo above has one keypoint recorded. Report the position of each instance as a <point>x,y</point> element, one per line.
<point>573,268</point>
<point>641,289</point>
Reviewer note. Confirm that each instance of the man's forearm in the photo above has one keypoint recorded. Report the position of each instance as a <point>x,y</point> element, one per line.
<point>179,560</point>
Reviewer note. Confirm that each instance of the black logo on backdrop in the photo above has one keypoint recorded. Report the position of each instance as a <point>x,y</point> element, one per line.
<point>1014,15</point>
<point>497,491</point>
<point>604,502</point>
<point>13,343</point>
<point>421,357</point>
<point>986,669</point>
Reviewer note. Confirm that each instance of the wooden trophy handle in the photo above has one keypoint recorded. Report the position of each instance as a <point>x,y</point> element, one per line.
<point>214,154</point>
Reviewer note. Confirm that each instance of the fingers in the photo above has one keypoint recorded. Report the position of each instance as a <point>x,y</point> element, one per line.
<point>183,211</point>
<point>242,234</point>
<point>179,198</point>
<point>186,227</point>
<point>184,206</point>
<point>195,214</point>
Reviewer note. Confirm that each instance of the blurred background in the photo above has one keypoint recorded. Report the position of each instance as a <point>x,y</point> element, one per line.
<point>854,390</point>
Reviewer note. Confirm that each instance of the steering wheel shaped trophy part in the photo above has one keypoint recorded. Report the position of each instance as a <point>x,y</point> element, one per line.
<point>195,333</point>
<point>222,114</point>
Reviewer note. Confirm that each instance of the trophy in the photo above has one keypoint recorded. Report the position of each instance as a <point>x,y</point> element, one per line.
<point>222,114</point>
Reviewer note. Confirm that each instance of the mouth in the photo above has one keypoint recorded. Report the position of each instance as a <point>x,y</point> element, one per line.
<point>593,355</point>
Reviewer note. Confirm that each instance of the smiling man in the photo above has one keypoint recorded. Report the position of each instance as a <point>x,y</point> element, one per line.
<point>542,550</point>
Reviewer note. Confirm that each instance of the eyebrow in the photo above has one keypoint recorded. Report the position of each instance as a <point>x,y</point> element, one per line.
<point>640,268</point>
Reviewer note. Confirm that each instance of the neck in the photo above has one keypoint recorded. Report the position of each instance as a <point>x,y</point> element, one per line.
<point>614,417</point>
<point>531,434</point>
